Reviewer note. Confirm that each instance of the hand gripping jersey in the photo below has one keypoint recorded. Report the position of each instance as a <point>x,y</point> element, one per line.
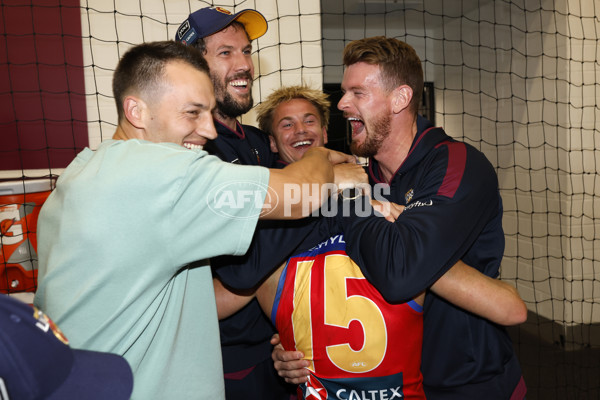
<point>358,345</point>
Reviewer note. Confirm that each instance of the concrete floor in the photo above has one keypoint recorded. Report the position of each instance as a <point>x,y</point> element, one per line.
<point>555,370</point>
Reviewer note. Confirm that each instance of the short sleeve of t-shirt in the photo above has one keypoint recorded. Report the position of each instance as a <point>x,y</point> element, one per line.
<point>224,197</point>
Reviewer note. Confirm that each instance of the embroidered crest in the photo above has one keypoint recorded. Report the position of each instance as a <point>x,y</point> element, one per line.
<point>409,195</point>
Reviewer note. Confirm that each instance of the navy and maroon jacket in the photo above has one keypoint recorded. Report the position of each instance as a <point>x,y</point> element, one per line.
<point>246,145</point>
<point>453,212</point>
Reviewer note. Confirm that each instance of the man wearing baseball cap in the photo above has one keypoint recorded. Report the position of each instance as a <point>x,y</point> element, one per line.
<point>224,38</point>
<point>207,21</point>
<point>36,361</point>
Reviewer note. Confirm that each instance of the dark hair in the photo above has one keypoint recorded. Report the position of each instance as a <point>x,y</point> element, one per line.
<point>398,62</point>
<point>142,67</point>
<point>200,44</point>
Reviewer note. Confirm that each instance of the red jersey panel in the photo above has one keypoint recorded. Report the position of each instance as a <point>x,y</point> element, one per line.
<point>358,345</point>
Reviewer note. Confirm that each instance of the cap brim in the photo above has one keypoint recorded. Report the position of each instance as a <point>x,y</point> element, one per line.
<point>254,22</point>
<point>96,376</point>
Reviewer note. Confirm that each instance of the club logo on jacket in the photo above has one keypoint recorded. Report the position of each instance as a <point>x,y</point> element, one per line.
<point>408,196</point>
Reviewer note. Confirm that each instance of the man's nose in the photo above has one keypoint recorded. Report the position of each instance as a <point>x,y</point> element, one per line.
<point>207,129</point>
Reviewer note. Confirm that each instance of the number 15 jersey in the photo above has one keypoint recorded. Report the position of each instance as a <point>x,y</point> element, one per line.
<point>358,345</point>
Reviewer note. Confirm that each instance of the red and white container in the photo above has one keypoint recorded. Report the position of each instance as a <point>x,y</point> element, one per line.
<point>20,204</point>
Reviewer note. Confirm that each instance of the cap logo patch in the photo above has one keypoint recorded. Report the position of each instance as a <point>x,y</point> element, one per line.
<point>183,29</point>
<point>223,10</point>
<point>190,37</point>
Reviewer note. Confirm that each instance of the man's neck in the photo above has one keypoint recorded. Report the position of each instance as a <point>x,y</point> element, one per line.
<point>225,120</point>
<point>395,148</point>
<point>125,131</point>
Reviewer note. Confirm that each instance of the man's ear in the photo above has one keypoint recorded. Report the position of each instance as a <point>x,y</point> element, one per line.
<point>324,135</point>
<point>273,145</point>
<point>401,98</point>
<point>133,108</point>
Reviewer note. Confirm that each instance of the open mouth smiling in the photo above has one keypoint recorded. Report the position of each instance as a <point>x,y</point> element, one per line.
<point>193,146</point>
<point>240,83</point>
<point>302,143</point>
<point>356,123</point>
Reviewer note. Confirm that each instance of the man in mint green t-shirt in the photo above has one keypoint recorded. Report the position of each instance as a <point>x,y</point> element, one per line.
<point>117,235</point>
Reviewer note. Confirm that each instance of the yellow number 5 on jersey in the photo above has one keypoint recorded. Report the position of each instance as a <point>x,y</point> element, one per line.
<point>341,309</point>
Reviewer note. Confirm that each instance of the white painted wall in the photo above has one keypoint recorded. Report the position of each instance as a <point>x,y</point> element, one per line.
<point>290,51</point>
<point>520,81</point>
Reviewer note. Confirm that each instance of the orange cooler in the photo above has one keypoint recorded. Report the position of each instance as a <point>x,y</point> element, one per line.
<point>20,204</point>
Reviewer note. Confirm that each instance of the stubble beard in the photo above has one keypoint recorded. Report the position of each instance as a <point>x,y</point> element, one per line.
<point>376,133</point>
<point>227,105</point>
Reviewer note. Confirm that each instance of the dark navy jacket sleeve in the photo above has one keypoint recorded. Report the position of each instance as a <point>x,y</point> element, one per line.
<point>272,244</point>
<point>450,200</point>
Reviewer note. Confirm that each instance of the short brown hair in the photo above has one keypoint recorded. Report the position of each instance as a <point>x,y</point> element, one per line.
<point>266,109</point>
<point>142,67</point>
<point>398,62</point>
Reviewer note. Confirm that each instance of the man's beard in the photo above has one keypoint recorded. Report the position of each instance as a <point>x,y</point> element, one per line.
<point>374,137</point>
<point>226,104</point>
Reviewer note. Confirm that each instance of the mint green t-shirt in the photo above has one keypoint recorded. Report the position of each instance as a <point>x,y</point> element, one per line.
<point>115,242</point>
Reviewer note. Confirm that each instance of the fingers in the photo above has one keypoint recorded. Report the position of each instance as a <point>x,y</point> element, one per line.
<point>279,355</point>
<point>275,340</point>
<point>289,364</point>
<point>350,175</point>
<point>389,210</point>
<point>296,380</point>
<point>395,210</point>
<point>337,157</point>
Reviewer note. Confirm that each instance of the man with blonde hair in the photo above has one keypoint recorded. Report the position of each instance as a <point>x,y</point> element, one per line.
<point>296,119</point>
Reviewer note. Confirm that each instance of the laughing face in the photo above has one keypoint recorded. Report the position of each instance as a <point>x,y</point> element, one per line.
<point>182,113</point>
<point>296,127</point>
<point>228,53</point>
<point>367,107</point>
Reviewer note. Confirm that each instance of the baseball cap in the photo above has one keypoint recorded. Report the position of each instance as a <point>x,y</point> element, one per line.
<point>36,361</point>
<point>209,20</point>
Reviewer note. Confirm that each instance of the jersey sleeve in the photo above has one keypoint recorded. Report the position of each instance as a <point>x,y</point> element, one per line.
<point>450,209</point>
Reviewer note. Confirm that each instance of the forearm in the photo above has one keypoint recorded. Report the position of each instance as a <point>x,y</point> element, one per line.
<point>296,190</point>
<point>228,302</point>
<point>479,294</point>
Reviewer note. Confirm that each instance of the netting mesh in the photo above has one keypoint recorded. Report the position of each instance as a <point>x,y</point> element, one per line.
<point>517,79</point>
